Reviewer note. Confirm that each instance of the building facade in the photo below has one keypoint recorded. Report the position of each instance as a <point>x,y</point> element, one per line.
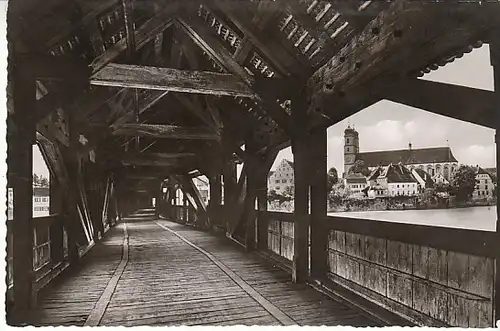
<point>356,183</point>
<point>392,180</point>
<point>282,177</point>
<point>438,160</point>
<point>41,201</point>
<point>485,187</point>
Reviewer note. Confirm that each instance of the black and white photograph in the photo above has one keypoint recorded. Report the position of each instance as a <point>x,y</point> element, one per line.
<point>251,163</point>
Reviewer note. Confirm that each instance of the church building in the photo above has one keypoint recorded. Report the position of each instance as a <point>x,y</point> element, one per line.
<point>435,161</point>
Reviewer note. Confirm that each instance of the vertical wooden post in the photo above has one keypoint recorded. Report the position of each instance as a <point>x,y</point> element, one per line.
<point>319,234</point>
<point>56,228</point>
<point>301,169</point>
<point>72,219</point>
<point>215,198</point>
<point>230,189</point>
<point>301,204</point>
<point>262,221</point>
<point>249,214</point>
<point>495,62</point>
<point>22,138</point>
<point>185,203</point>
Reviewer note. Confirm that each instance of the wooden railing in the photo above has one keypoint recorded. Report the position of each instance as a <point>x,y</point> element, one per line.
<point>280,234</point>
<point>429,275</point>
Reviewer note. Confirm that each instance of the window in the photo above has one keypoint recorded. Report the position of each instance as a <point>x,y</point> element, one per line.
<point>277,181</point>
<point>277,187</point>
<point>283,181</point>
<point>398,185</point>
<point>347,141</point>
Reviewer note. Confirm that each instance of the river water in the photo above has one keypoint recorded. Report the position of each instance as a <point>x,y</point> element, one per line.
<point>475,218</point>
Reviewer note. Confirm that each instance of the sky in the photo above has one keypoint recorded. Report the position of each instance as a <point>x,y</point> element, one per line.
<point>395,125</point>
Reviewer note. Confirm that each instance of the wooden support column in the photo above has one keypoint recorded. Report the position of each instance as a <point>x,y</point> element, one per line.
<point>302,170</point>
<point>319,234</point>
<point>21,139</point>
<point>249,214</point>
<point>230,191</point>
<point>495,62</point>
<point>185,203</point>
<point>215,198</point>
<point>56,228</point>
<point>72,219</point>
<point>262,221</point>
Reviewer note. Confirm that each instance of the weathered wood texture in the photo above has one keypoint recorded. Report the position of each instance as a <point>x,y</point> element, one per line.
<point>429,286</point>
<point>161,284</point>
<point>20,158</point>
<point>165,131</point>
<point>168,79</point>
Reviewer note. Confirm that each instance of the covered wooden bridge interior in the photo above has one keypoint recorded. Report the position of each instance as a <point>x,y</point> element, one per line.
<point>130,100</point>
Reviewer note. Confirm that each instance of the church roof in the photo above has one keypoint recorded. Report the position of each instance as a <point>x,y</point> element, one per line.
<point>407,156</point>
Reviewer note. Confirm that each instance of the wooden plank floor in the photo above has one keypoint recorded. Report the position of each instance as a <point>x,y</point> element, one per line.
<point>176,275</point>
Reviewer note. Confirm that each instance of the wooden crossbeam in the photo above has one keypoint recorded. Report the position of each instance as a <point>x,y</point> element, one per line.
<point>157,159</point>
<point>168,79</point>
<point>166,131</point>
<point>463,103</point>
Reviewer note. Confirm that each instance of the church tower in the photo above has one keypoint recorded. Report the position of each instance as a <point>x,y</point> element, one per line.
<point>351,148</point>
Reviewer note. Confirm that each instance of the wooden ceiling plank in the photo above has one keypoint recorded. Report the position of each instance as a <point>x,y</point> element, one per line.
<point>168,79</point>
<point>166,131</point>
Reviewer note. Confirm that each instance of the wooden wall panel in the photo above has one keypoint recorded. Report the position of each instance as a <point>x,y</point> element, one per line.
<point>428,285</point>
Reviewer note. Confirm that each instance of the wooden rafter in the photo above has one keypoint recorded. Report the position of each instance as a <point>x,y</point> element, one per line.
<point>224,58</point>
<point>464,103</point>
<point>157,159</point>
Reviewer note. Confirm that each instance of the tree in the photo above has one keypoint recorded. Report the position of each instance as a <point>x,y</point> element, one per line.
<point>332,178</point>
<point>338,193</point>
<point>44,182</point>
<point>359,167</point>
<point>463,183</point>
<point>288,192</point>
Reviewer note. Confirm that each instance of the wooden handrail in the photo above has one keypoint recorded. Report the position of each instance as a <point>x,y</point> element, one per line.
<point>474,242</point>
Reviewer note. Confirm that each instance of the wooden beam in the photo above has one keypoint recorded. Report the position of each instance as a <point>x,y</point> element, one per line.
<point>144,103</point>
<point>385,56</point>
<point>273,51</point>
<point>165,131</point>
<point>129,27</point>
<point>317,142</point>
<point>157,159</point>
<point>495,62</point>
<point>168,79</point>
<point>463,103</point>
<point>20,160</point>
